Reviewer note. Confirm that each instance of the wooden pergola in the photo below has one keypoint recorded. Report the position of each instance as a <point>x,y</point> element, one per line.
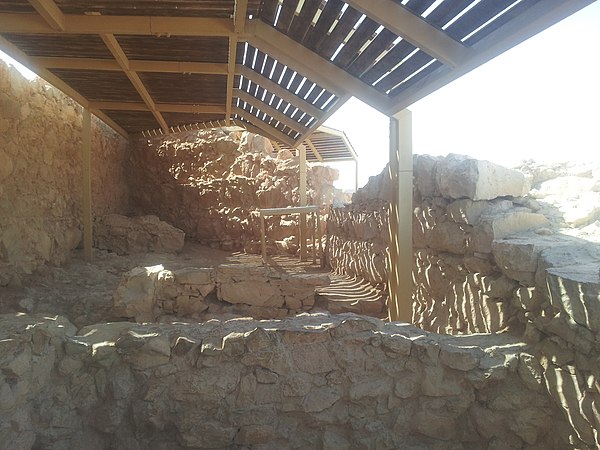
<point>279,67</point>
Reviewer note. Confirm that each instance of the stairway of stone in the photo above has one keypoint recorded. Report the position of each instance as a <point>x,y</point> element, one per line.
<point>349,294</point>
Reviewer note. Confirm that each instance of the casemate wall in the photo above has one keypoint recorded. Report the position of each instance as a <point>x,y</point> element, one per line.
<point>41,174</point>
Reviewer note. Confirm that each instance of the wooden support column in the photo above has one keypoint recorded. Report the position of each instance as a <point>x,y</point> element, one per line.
<point>87,185</point>
<point>303,201</point>
<point>400,220</point>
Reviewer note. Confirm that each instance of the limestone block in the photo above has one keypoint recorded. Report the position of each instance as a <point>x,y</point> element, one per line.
<point>459,176</point>
<point>195,275</point>
<point>136,294</point>
<point>574,290</point>
<point>518,257</point>
<point>498,226</point>
<point>424,172</point>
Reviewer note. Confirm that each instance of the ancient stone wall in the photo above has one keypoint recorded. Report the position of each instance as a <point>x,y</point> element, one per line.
<point>211,183</point>
<point>487,260</point>
<point>41,176</point>
<point>314,381</point>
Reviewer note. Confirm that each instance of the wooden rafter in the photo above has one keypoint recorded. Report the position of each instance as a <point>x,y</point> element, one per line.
<point>137,65</point>
<point>275,114</point>
<point>113,46</point>
<point>314,149</point>
<point>162,107</point>
<point>311,65</point>
<point>271,131</point>
<point>279,91</point>
<point>320,122</point>
<point>239,24</point>
<point>14,52</point>
<point>131,25</point>
<point>415,30</point>
<point>50,12</point>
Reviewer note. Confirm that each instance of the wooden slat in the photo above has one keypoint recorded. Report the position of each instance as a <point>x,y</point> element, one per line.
<point>367,58</point>
<point>416,79</point>
<point>279,91</point>
<point>57,45</point>
<point>329,45</point>
<point>286,15</point>
<point>209,49</point>
<point>329,14</point>
<point>501,21</point>
<point>269,8</point>
<point>99,86</point>
<point>419,6</point>
<point>263,126</point>
<point>446,11</point>
<point>275,114</point>
<point>301,23</point>
<point>350,51</point>
<point>397,54</point>
<point>186,88</point>
<point>475,17</point>
<point>411,65</point>
<point>133,121</point>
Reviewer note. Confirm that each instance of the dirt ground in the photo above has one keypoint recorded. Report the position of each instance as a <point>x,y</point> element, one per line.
<point>83,292</point>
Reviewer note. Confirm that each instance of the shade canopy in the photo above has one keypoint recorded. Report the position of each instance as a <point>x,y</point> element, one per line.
<point>277,67</point>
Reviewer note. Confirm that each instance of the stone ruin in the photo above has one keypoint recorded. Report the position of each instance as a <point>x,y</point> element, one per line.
<point>163,343</point>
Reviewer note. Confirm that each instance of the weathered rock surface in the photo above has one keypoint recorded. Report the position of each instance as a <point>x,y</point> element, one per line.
<point>40,174</point>
<point>147,294</point>
<point>211,183</point>
<point>510,262</point>
<point>124,235</point>
<point>267,384</point>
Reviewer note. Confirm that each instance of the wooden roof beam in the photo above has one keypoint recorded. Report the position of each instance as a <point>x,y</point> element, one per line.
<point>279,91</point>
<point>322,120</point>
<point>272,132</point>
<point>50,12</point>
<point>135,65</point>
<point>162,107</point>
<point>14,52</point>
<point>113,46</point>
<point>239,23</point>
<point>535,19</point>
<point>131,25</point>
<point>311,65</point>
<point>275,114</point>
<point>314,149</point>
<point>414,29</point>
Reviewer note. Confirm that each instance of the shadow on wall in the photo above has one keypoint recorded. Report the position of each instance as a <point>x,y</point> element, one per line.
<point>487,259</point>
<point>211,183</point>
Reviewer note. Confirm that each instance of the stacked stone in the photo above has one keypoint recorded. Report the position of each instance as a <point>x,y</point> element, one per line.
<point>148,294</point>
<point>40,174</point>
<point>462,205</point>
<point>314,381</point>
<point>486,259</point>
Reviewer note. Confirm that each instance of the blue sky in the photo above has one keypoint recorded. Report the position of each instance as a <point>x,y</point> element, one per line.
<point>540,100</point>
